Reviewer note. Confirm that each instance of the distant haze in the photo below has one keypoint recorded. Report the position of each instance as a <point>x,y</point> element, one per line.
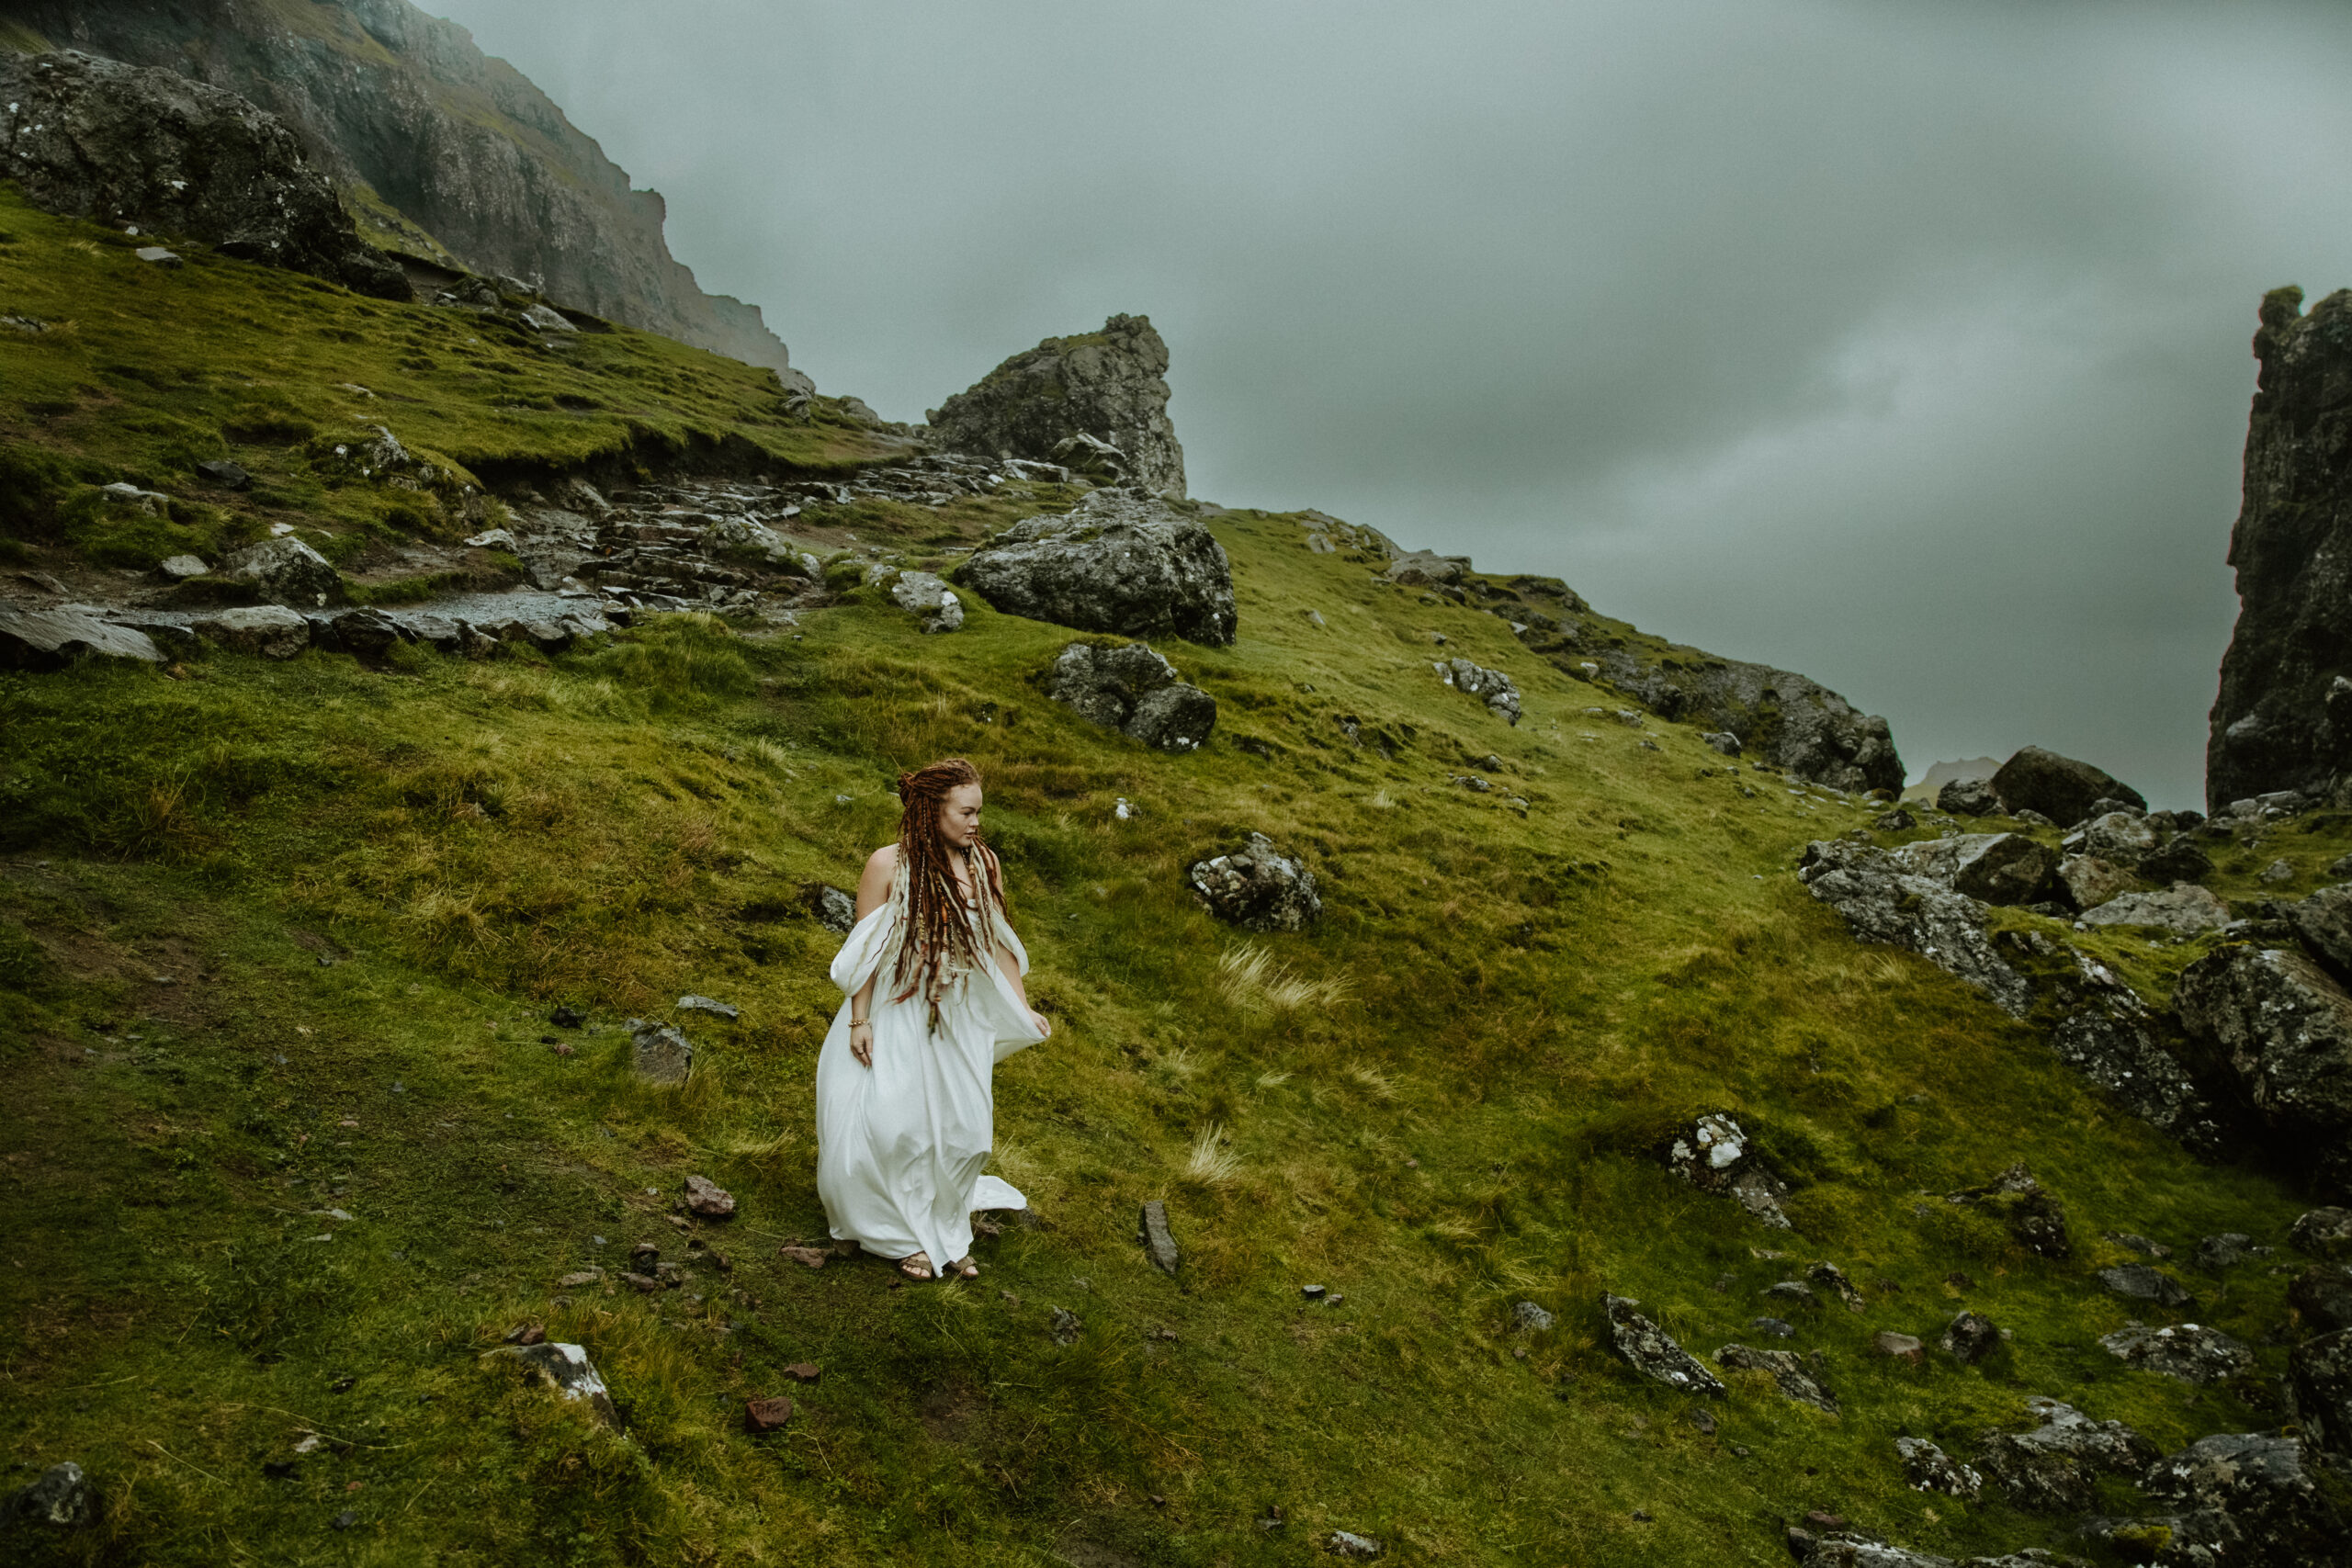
<point>1902,345</point>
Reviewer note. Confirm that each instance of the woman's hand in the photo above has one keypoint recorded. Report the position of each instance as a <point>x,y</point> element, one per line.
<point>861,1042</point>
<point>1038,1022</point>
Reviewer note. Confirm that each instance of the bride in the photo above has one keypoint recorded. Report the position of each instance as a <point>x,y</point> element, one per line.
<point>905,1109</point>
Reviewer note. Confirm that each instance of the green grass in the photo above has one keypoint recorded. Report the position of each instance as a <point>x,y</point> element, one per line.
<point>1439,1101</point>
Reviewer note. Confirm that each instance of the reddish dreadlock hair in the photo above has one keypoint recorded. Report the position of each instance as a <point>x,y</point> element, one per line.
<point>938,943</point>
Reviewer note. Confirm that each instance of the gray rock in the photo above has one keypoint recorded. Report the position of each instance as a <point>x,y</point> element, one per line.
<point>1716,1156</point>
<point>51,640</point>
<point>1898,1346</point>
<point>546,319</point>
<point>1723,741</point>
<point>566,1370</point>
<point>368,634</point>
<point>1968,797</point>
<point>1840,1550</point>
<point>2324,1233</point>
<point>835,909</point>
<point>1792,724</point>
<point>2090,881</point>
<point>1831,1278</point>
<point>1159,1242</point>
<point>1998,868</point>
<point>2054,1468</point>
<point>2111,1041</point>
<point>2319,1389</point>
<point>2032,1216</point>
<point>2059,787</point>
<point>94,138</point>
<point>658,1052</point>
<point>2137,1281</point>
<point>269,630</point>
<point>2321,1297</point>
<point>707,1200</point>
<point>1347,1543</point>
<point>1258,886</point>
<point>1652,1352</point>
<point>2246,1497</point>
<point>2278,874</point>
<point>1108,385</point>
<point>61,1497</point>
<point>180,568</point>
<point>2122,837</point>
<point>287,570</point>
<point>929,599</point>
<point>727,1011</point>
<point>1489,686</point>
<point>228,475</point>
<point>1882,903</point>
<point>2184,910</point>
<point>1926,1468</point>
<point>2139,1243</point>
<point>1118,563</point>
<point>2227,1250</point>
<point>1426,569</point>
<point>1134,689</point>
<point>2323,924</point>
<point>1778,1329</point>
<point>2188,1351</point>
<point>1895,821</point>
<point>2287,1027</point>
<point>742,537</point>
<point>1091,458</point>
<point>1793,1293</point>
<point>1970,1338</point>
<point>1787,1370</point>
<point>1526,1318</point>
<point>1064,1327</point>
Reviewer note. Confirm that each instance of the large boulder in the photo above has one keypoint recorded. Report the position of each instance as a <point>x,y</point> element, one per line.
<point>51,640</point>
<point>2321,1297</point>
<point>2244,1497</point>
<point>1716,1154</point>
<point>2285,1028</point>
<point>270,630</point>
<point>1779,718</point>
<point>2319,1386</point>
<point>2059,787</point>
<point>1881,902</point>
<point>1651,1350</point>
<point>2054,1469</point>
<point>2000,868</point>
<point>1134,689</point>
<point>1110,386</point>
<point>92,138</point>
<point>2190,1352</point>
<point>287,570</point>
<point>2282,719</point>
<point>2090,881</point>
<point>1118,563</point>
<point>923,595</point>
<point>2184,910</point>
<point>1258,886</point>
<point>2324,923</point>
<point>1968,797</point>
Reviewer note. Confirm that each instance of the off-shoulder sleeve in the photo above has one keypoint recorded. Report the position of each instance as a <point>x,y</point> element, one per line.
<point>864,949</point>
<point>1005,933</point>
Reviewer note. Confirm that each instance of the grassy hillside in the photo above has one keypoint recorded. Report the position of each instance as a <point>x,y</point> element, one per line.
<point>286,1149</point>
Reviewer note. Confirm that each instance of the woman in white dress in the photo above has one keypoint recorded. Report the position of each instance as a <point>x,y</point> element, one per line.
<point>906,1111</point>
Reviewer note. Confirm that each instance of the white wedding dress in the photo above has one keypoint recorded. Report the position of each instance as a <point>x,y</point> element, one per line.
<point>901,1144</point>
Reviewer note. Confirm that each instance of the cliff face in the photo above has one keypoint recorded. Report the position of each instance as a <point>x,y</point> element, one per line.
<point>435,146</point>
<point>2283,719</point>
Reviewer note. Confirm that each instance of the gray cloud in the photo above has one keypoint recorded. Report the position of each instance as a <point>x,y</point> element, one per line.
<point>1901,345</point>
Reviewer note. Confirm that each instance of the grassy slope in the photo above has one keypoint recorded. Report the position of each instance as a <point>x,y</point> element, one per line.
<point>1510,1009</point>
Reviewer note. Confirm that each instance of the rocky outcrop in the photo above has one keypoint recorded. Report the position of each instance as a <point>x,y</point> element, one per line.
<point>2189,1351</point>
<point>1998,868</point>
<point>1883,902</point>
<point>1651,1350</point>
<point>2285,1029</point>
<point>2054,1468</point>
<point>1258,886</point>
<point>2323,922</point>
<point>2283,717</point>
<point>2244,1497</point>
<point>1492,687</point>
<point>2184,910</point>
<point>1117,562</point>
<point>92,138</point>
<point>1108,387</point>
<point>1133,690</point>
<point>51,640</point>
<point>2058,787</point>
<point>445,151</point>
<point>1716,1154</point>
<point>1779,717</point>
<point>1786,1369</point>
<point>2319,1386</point>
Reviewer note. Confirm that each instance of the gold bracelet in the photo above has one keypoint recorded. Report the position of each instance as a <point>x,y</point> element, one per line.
<point>858,1022</point>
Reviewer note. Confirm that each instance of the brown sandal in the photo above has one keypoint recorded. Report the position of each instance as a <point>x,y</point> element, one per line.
<point>966,1269</point>
<point>915,1265</point>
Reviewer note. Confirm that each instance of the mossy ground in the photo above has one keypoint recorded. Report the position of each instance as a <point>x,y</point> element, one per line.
<point>366,887</point>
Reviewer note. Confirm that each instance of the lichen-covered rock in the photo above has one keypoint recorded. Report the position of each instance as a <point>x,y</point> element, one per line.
<point>2287,1027</point>
<point>1779,716</point>
<point>1882,903</point>
<point>1788,1373</point>
<point>51,640</point>
<point>928,599</point>
<point>2319,1387</point>
<point>2090,881</point>
<point>1926,1468</point>
<point>660,1053</point>
<point>2188,1351</point>
<point>2321,1297</point>
<point>60,1497</point>
<point>2059,787</point>
<point>1110,386</point>
<point>1117,562</point>
<point>1715,1155</point>
<point>1997,868</point>
<point>2245,1498</point>
<point>2123,837</point>
<point>2033,1217</point>
<point>2054,1468</point>
<point>1134,689</point>
<point>2111,1041</point>
<point>2324,1233</point>
<point>2323,924</point>
<point>1652,1352</point>
<point>566,1370</point>
<point>1258,886</point>
<point>1970,1338</point>
<point>2184,910</point>
<point>1968,797</point>
<point>92,138</point>
<point>270,630</point>
<point>1491,687</point>
<point>2137,1281</point>
<point>287,570</point>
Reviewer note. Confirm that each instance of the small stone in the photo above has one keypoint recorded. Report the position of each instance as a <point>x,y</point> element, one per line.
<point>705,1004</point>
<point>566,1018</point>
<point>2226,1251</point>
<point>1793,1293</point>
<point>1928,1469</point>
<point>661,1053</point>
<point>808,1257</point>
<point>156,255</point>
<point>803,1371</point>
<point>1157,1241</point>
<point>2141,1245</point>
<point>2278,874</point>
<point>528,1334</point>
<point>1970,1338</point>
<point>707,1200</point>
<point>224,473</point>
<point>1776,1327</point>
<point>767,1415</point>
<point>566,1370</point>
<point>1345,1544</point>
<point>1313,1292</point>
<point>1653,1353</point>
<point>2324,1233</point>
<point>1065,1326</point>
<point>61,1497</point>
<point>2189,1352</point>
<point>575,1282</point>
<point>345,1519</point>
<point>184,567</point>
<point>1903,1347</point>
<point>645,1283</point>
<point>1526,1318</point>
<point>2137,1281</point>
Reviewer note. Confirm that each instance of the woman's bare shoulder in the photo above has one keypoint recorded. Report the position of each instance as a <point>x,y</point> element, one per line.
<point>884,858</point>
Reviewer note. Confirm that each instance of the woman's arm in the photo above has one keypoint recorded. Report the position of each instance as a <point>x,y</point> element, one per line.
<point>1012,967</point>
<point>873,892</point>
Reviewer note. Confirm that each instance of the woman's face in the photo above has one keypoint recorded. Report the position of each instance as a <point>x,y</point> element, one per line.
<point>960,815</point>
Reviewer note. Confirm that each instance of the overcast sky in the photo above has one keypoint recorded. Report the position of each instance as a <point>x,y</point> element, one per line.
<point>1901,345</point>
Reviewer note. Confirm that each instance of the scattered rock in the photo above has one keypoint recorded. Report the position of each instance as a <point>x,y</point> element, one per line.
<point>2226,1251</point>
<point>716,1009</point>
<point>2122,837</point>
<point>2184,910</point>
<point>1134,689</point>
<point>51,640</point>
<point>803,1371</point>
<point>1928,1468</point>
<point>1787,1371</point>
<point>2322,1296</point>
<point>61,1497</point>
<point>2319,1388</point>
<point>2113,1042</point>
<point>567,1017</point>
<point>1998,868</point>
<point>767,1415</point>
<point>2278,874</point>
<point>2090,881</point>
<point>1882,903</point>
<point>2137,1281</point>
<point>1898,1346</point>
<point>2059,787</point>
<point>565,1367</point>
<point>660,1053</point>
<point>1792,1293</point>
<point>1716,1156</point>
<point>2246,1497</point>
<point>1345,1544</point>
<point>1064,1327</point>
<point>579,1279</point>
<point>1777,1329</point>
<point>1970,1338</point>
<point>928,599</point>
<point>1895,821</point>
<point>366,634</point>
<point>1426,569</point>
<point>2033,1215</point>
<point>1258,886</point>
<point>1159,1242</point>
<point>287,570</point>
<point>2189,1352</point>
<point>833,909</point>
<point>224,473</point>
<point>1727,743</point>
<point>1490,686</point>
<point>181,568</point>
<point>2287,1027</point>
<point>1117,563</point>
<point>807,1257</point>
<point>2138,1244</point>
<point>1832,1278</point>
<point>269,630</point>
<point>2322,923</point>
<point>1652,1352</point>
<point>1968,797</point>
<point>2054,1468</point>
<point>528,1334</point>
<point>1108,387</point>
<point>707,1200</point>
<point>1526,1318</point>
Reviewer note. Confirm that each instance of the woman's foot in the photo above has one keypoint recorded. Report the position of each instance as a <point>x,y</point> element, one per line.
<point>916,1265</point>
<point>964,1269</point>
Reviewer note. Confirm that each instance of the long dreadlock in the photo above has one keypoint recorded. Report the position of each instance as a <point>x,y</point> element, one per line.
<point>938,945</point>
